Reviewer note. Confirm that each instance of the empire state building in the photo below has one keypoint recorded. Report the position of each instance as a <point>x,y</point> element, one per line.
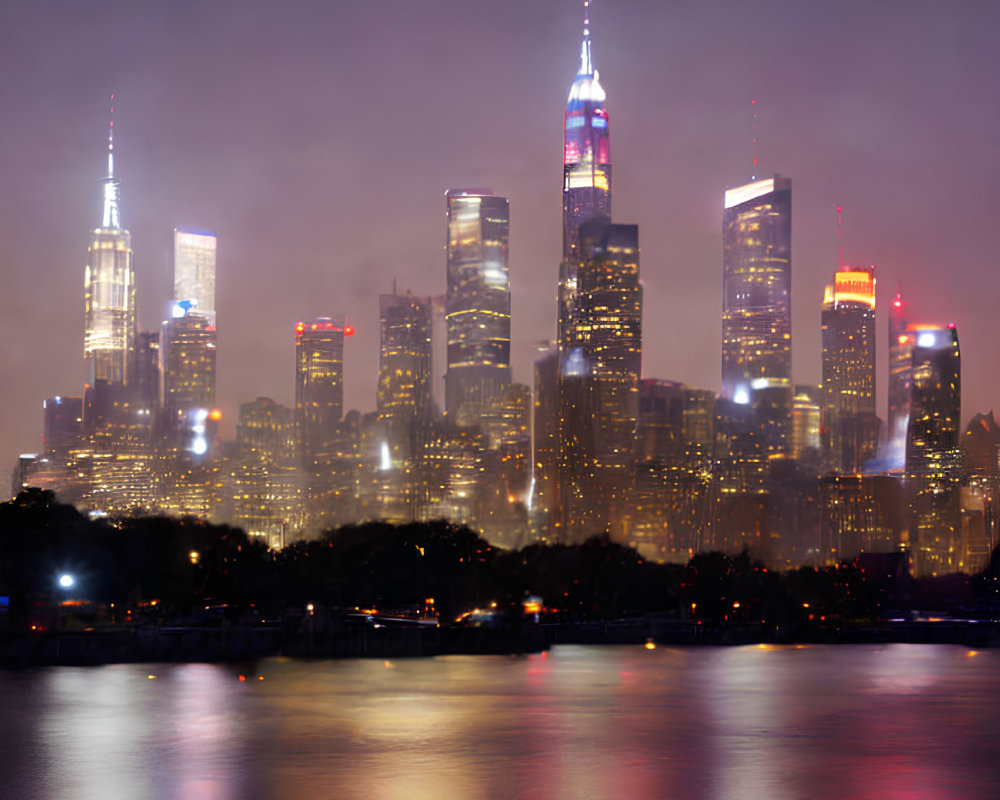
<point>586,175</point>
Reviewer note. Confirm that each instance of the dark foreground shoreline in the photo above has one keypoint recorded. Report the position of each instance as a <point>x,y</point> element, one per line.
<point>364,640</point>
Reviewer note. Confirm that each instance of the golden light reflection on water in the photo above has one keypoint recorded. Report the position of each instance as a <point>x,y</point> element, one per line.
<point>577,722</point>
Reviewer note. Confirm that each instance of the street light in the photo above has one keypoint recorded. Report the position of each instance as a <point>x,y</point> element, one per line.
<point>65,582</point>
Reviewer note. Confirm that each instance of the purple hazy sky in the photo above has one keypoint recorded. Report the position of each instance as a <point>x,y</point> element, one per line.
<point>317,139</point>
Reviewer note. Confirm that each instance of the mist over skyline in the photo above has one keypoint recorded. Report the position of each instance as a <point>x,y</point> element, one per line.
<point>316,140</point>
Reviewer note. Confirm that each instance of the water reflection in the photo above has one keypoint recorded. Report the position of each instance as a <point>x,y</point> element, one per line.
<point>826,722</point>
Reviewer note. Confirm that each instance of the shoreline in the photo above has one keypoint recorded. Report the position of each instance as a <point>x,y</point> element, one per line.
<point>187,644</point>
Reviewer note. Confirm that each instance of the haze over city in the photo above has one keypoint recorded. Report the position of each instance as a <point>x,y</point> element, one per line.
<point>316,140</point>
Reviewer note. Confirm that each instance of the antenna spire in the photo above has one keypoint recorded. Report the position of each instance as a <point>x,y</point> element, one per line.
<point>111,139</point>
<point>112,217</point>
<point>753,130</point>
<point>840,237</point>
<point>586,61</point>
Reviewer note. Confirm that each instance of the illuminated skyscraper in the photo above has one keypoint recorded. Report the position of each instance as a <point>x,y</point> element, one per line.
<point>600,369</point>
<point>545,436</point>
<point>756,306</point>
<point>477,309</point>
<point>586,172</point>
<point>900,356</point>
<point>63,422</point>
<point>403,398</point>
<point>586,148</point>
<point>194,269</point>
<point>319,383</point>
<point>187,361</point>
<point>933,451</point>
<point>849,368</point>
<point>806,420</point>
<point>109,290</point>
<point>404,377</point>
<point>933,455</point>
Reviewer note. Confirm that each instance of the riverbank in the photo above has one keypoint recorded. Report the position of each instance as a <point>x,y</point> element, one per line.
<point>368,639</point>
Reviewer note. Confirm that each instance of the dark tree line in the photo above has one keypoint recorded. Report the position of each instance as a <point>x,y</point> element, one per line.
<point>187,563</point>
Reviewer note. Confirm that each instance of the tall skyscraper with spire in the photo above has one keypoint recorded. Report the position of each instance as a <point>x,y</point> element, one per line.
<point>600,323</point>
<point>586,147</point>
<point>109,289</point>
<point>586,171</point>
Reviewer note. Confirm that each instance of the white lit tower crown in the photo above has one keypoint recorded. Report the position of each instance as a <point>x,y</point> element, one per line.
<point>109,289</point>
<point>194,270</point>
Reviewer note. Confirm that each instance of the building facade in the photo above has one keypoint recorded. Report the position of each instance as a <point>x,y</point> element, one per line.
<point>600,370</point>
<point>194,269</point>
<point>319,384</point>
<point>756,306</point>
<point>477,312</point>
<point>848,336</point>
<point>109,291</point>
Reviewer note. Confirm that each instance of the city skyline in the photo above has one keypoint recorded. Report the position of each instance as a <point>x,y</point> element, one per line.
<point>166,167</point>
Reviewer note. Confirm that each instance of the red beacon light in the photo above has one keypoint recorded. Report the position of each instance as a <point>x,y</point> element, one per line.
<point>348,330</point>
<point>951,326</point>
<point>299,328</point>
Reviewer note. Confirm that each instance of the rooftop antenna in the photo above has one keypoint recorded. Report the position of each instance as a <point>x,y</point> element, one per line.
<point>753,128</point>
<point>586,61</point>
<point>840,237</point>
<point>111,139</point>
<point>112,216</point>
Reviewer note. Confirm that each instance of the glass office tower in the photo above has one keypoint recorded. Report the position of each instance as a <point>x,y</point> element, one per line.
<point>477,311</point>
<point>756,305</point>
<point>194,269</point>
<point>599,381</point>
<point>848,335</point>
<point>901,342</point>
<point>319,383</point>
<point>404,367</point>
<point>933,455</point>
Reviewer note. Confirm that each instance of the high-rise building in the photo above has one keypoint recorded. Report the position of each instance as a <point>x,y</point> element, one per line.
<point>146,386</point>
<point>807,414</point>
<point>319,383</point>
<point>187,361</point>
<point>109,290</point>
<point>266,485</point>
<point>600,369</point>
<point>756,306</point>
<point>187,385</point>
<point>848,319</point>
<point>194,269</point>
<point>404,403</point>
<point>545,445</point>
<point>478,303</point>
<point>63,423</point>
<point>586,172</point>
<point>404,368</point>
<point>933,453</point>
<point>901,343</point>
<point>586,149</point>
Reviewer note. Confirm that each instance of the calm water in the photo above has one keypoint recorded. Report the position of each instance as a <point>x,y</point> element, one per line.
<point>896,721</point>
